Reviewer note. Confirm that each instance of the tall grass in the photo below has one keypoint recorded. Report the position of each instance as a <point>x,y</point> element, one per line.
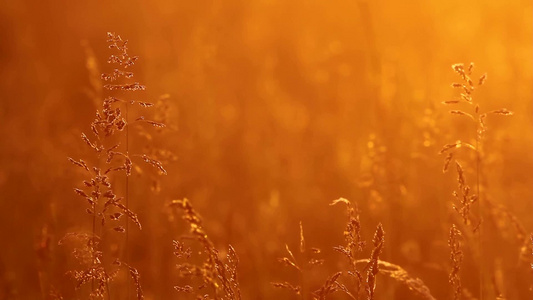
<point>465,197</point>
<point>108,202</point>
<point>359,281</point>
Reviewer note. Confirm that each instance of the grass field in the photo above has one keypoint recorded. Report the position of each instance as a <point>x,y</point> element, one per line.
<point>266,149</point>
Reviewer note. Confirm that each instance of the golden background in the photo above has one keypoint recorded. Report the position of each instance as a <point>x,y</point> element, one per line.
<point>273,110</point>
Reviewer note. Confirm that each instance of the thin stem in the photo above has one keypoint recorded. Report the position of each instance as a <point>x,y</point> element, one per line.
<point>94,239</point>
<point>127,201</point>
<point>303,277</point>
<point>108,291</point>
<point>480,203</point>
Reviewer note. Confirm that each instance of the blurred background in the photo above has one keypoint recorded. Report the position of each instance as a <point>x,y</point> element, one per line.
<point>273,110</point>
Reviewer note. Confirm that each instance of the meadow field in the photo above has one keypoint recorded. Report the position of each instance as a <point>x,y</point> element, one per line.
<point>266,149</point>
